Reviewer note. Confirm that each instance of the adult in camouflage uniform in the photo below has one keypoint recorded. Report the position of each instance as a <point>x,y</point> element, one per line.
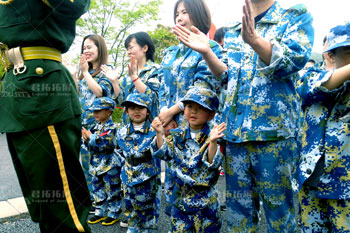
<point>323,174</point>
<point>141,172</point>
<point>105,165</point>
<point>261,108</point>
<point>40,111</point>
<point>195,206</point>
<point>91,84</point>
<point>142,74</point>
<point>181,68</point>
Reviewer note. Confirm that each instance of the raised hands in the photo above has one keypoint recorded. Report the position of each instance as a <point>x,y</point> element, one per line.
<point>86,134</point>
<point>110,73</point>
<point>249,34</point>
<point>132,68</point>
<point>157,125</point>
<point>194,39</point>
<point>83,64</point>
<point>217,132</point>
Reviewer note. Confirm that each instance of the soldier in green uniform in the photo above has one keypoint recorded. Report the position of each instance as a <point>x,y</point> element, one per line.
<point>40,112</point>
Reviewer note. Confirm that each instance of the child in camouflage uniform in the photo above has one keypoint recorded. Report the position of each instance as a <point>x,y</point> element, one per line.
<point>196,164</point>
<point>323,174</point>
<point>141,172</point>
<point>105,165</point>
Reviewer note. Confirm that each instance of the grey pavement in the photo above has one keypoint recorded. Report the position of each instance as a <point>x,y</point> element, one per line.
<point>9,186</point>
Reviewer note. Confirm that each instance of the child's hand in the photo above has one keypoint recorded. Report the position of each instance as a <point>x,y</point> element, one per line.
<point>157,125</point>
<point>217,132</point>
<point>110,73</point>
<point>86,134</point>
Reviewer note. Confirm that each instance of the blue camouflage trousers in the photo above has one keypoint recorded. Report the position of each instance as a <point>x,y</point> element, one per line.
<point>204,220</point>
<point>85,158</point>
<point>142,203</point>
<point>260,172</point>
<point>107,193</point>
<point>322,215</point>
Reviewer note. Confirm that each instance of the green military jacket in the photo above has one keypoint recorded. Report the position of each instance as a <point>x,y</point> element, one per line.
<point>37,99</point>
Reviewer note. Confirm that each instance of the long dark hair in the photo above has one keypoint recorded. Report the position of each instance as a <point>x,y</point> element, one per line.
<point>199,14</point>
<point>102,57</point>
<point>142,38</point>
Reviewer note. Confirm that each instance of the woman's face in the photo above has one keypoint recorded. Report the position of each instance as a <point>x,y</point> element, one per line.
<point>182,17</point>
<point>135,50</point>
<point>90,51</point>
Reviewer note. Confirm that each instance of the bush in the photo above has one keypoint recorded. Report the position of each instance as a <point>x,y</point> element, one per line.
<point>117,115</point>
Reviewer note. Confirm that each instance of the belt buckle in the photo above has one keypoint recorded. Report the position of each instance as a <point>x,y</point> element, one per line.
<point>14,56</point>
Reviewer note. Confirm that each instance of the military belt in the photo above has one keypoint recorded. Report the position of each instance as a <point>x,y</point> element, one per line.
<point>185,189</point>
<point>147,156</point>
<point>17,56</point>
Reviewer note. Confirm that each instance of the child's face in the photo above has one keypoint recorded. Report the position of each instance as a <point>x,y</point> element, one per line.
<point>182,17</point>
<point>102,115</point>
<point>137,114</point>
<point>342,56</point>
<point>90,50</point>
<point>172,125</point>
<point>196,115</point>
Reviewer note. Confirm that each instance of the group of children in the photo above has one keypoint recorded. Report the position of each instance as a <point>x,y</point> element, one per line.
<point>128,159</point>
<point>262,143</point>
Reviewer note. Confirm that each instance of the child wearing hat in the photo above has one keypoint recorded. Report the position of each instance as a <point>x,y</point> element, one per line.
<point>141,172</point>
<point>323,173</point>
<point>196,161</point>
<point>105,165</point>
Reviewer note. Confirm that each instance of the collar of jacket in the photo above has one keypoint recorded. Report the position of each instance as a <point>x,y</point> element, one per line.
<point>201,137</point>
<point>145,128</point>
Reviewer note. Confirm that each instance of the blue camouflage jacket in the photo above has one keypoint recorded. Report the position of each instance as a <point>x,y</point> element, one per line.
<point>135,147</point>
<point>181,68</point>
<point>149,76</point>
<point>260,102</point>
<point>326,132</point>
<point>190,164</point>
<point>87,97</point>
<point>101,145</point>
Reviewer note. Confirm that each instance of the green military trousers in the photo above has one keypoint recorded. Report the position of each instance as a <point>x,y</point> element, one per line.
<point>46,161</point>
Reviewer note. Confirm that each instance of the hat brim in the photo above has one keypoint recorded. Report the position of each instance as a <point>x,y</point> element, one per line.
<point>204,106</point>
<point>342,44</point>
<point>127,103</point>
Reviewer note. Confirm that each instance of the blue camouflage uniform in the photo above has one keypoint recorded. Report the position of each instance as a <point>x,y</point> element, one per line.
<point>323,173</point>
<point>149,76</point>
<point>141,172</point>
<point>86,98</point>
<point>195,206</point>
<point>182,67</point>
<point>105,165</point>
<point>261,110</point>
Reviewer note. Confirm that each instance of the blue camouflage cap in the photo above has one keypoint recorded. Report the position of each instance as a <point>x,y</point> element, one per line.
<point>338,36</point>
<point>138,99</point>
<point>202,96</point>
<point>103,103</point>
